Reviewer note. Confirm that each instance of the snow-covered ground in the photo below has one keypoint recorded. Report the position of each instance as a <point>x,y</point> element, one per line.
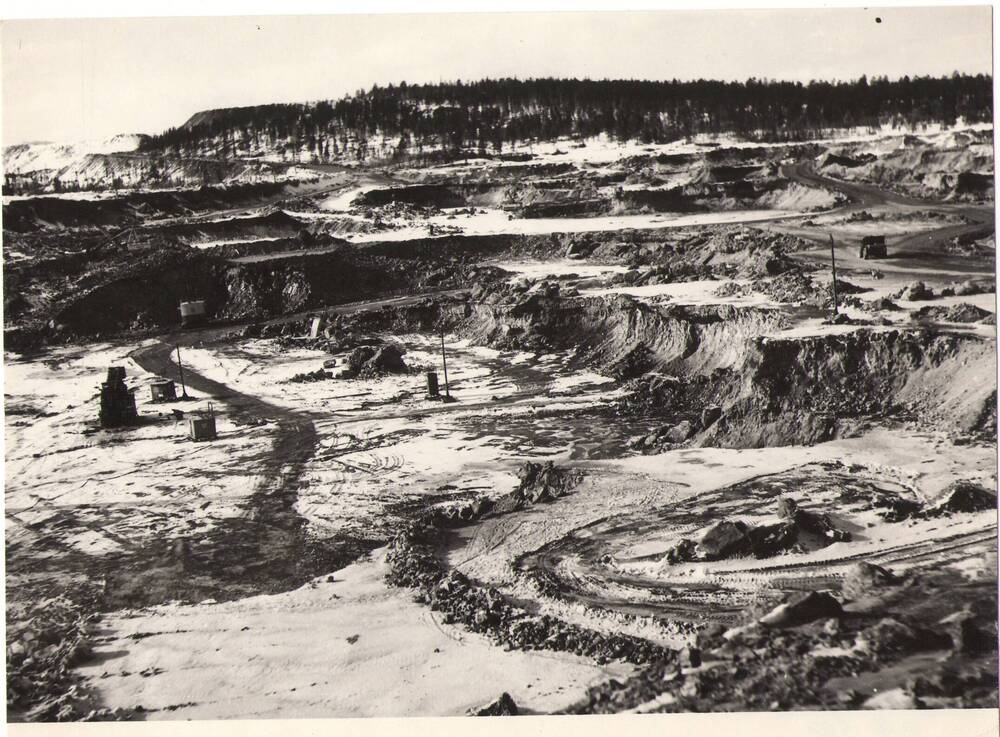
<point>43,155</point>
<point>343,645</point>
<point>560,267</point>
<point>497,222</point>
<point>126,487</point>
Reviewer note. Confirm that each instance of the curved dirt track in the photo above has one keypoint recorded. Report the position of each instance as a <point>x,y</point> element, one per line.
<point>597,564</point>
<point>267,548</point>
<point>867,195</point>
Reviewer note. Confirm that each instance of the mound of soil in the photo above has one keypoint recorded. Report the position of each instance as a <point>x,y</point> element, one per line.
<point>963,312</point>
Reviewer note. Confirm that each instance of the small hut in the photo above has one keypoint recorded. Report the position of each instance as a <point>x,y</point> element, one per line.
<point>873,246</point>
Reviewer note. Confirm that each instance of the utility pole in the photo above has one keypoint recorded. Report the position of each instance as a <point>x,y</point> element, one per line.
<point>184,393</point>
<point>444,362</point>
<point>833,268</point>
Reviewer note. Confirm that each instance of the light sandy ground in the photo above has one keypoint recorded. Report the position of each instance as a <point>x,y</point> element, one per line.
<point>702,292</point>
<point>497,222</point>
<point>603,149</point>
<point>289,656</point>
<point>381,442</point>
<point>130,484</point>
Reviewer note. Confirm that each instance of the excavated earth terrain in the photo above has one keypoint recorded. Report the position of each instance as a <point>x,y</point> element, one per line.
<point>671,460</point>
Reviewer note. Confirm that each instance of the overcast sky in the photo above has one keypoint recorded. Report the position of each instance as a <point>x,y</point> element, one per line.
<point>68,80</point>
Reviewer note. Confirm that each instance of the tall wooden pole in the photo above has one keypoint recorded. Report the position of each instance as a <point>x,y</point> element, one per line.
<point>833,267</point>
<point>444,362</point>
<point>180,368</point>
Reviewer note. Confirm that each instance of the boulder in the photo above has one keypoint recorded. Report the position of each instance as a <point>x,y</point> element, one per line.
<point>544,481</point>
<point>769,540</point>
<point>915,291</point>
<point>710,415</point>
<point>803,608</point>
<point>680,432</point>
<point>889,638</point>
<point>865,579</point>
<point>682,552</point>
<point>725,539</point>
<point>370,361</point>
<point>970,287</point>
<point>502,706</point>
<point>579,248</point>
<point>964,496</point>
<point>821,525</point>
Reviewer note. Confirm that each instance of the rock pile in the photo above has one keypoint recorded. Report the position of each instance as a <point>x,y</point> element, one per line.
<point>310,376</point>
<point>539,482</point>
<point>797,531</point>
<point>368,361</point>
<point>963,496</point>
<point>791,656</point>
<point>413,562</point>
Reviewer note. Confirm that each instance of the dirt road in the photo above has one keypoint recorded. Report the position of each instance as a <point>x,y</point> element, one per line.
<point>910,252</point>
<point>267,548</point>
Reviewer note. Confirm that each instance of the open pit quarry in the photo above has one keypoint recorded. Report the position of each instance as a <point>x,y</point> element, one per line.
<point>601,429</point>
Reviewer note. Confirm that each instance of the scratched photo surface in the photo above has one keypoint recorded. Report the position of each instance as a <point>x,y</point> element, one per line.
<point>499,364</point>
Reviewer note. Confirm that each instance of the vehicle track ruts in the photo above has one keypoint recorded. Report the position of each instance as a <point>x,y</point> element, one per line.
<point>269,547</point>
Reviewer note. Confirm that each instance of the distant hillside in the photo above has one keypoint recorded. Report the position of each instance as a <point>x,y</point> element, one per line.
<point>28,164</point>
<point>491,116</point>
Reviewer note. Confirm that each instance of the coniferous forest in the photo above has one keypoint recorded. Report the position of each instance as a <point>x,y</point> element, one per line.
<point>489,115</point>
